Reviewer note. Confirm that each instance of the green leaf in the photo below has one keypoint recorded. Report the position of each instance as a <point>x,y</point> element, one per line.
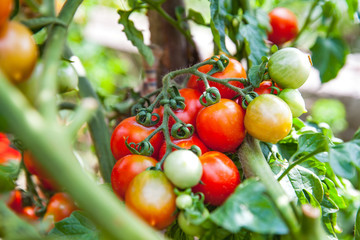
<point>218,23</point>
<point>344,157</point>
<point>135,36</point>
<point>333,194</point>
<point>253,36</point>
<point>328,56</point>
<point>357,225</point>
<point>256,74</point>
<point>314,165</point>
<point>250,208</point>
<point>312,200</point>
<point>76,227</point>
<point>175,232</point>
<point>304,179</point>
<point>357,134</point>
<point>352,7</point>
<point>196,17</point>
<point>8,175</point>
<point>313,143</point>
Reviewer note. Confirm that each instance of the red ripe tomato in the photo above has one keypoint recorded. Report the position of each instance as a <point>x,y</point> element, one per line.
<point>135,132</point>
<point>233,70</point>
<point>284,25</point>
<point>15,201</point>
<point>189,113</point>
<point>185,143</point>
<point>5,10</point>
<point>35,169</point>
<point>7,153</point>
<point>192,83</point>
<point>265,87</point>
<point>18,52</point>
<point>60,206</point>
<point>29,213</point>
<point>219,179</point>
<point>126,169</point>
<point>221,126</point>
<point>151,196</point>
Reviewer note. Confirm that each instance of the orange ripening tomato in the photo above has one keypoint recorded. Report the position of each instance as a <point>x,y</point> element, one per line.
<point>126,169</point>
<point>284,25</point>
<point>29,213</point>
<point>221,126</point>
<point>60,206</point>
<point>5,10</point>
<point>185,143</point>
<point>18,52</point>
<point>151,196</point>
<point>233,70</point>
<point>134,132</point>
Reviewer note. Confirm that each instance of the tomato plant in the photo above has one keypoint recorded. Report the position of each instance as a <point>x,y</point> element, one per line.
<point>126,169</point>
<point>219,179</point>
<point>188,227</point>
<point>60,206</point>
<point>183,168</point>
<point>284,25</point>
<point>151,195</point>
<point>18,52</point>
<point>268,118</point>
<point>5,10</point>
<point>131,131</point>
<point>233,70</point>
<point>221,126</point>
<point>185,143</point>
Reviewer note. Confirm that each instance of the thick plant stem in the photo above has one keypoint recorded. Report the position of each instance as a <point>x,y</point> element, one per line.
<point>254,165</point>
<point>311,228</point>
<point>51,147</point>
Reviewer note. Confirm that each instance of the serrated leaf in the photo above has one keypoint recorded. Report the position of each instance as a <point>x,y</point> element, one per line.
<point>302,178</point>
<point>344,157</point>
<point>313,143</point>
<point>333,193</point>
<point>256,74</point>
<point>328,56</point>
<point>135,36</point>
<point>249,207</point>
<point>218,23</point>
<point>314,165</point>
<point>76,227</point>
<point>196,17</point>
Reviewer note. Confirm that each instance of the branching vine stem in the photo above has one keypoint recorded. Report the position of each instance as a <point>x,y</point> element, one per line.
<point>293,164</point>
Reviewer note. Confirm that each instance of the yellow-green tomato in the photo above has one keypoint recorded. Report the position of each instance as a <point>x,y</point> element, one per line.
<point>183,168</point>
<point>289,67</point>
<point>295,101</point>
<point>188,227</point>
<point>268,118</point>
<point>67,78</point>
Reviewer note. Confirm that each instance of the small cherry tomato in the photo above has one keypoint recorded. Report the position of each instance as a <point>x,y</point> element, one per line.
<point>268,118</point>
<point>67,78</point>
<point>220,178</point>
<point>183,168</point>
<point>5,10</point>
<point>151,196</point>
<point>295,101</point>
<point>184,143</point>
<point>265,87</point>
<point>289,68</point>
<point>135,132</point>
<point>60,206</point>
<point>221,126</point>
<point>188,227</point>
<point>29,213</point>
<point>18,52</point>
<point>284,25</point>
<point>192,107</point>
<point>7,153</point>
<point>15,201</point>
<point>126,169</point>
<point>233,70</point>
<point>184,201</point>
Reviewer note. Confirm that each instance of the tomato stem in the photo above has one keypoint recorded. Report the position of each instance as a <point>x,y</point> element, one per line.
<point>293,164</point>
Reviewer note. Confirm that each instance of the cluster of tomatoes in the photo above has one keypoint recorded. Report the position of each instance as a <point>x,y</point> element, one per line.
<point>18,50</point>
<point>156,193</point>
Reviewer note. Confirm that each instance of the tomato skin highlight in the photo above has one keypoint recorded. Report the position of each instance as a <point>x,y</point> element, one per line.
<point>189,113</point>
<point>151,196</point>
<point>184,143</point>
<point>268,118</point>
<point>220,178</point>
<point>126,169</point>
<point>284,25</point>
<point>5,10</point>
<point>233,70</point>
<point>18,52</point>
<point>60,206</point>
<point>135,132</point>
<point>29,213</point>
<point>221,126</point>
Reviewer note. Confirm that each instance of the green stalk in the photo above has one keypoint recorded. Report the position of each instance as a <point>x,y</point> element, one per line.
<point>51,147</point>
<point>297,162</point>
<point>51,59</point>
<point>254,165</point>
<point>311,226</point>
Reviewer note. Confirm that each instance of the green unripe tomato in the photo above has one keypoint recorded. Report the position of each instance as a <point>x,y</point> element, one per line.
<point>67,77</point>
<point>183,201</point>
<point>183,168</point>
<point>188,227</point>
<point>289,68</point>
<point>295,101</point>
